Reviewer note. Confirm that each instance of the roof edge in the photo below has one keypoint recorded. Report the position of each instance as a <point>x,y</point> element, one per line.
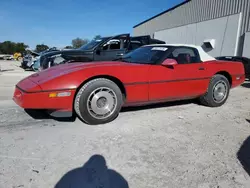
<point>168,10</point>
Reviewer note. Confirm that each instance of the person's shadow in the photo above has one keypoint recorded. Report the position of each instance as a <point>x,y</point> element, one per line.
<point>93,174</point>
<point>243,154</point>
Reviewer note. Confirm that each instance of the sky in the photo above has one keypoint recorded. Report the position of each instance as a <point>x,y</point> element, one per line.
<point>57,22</point>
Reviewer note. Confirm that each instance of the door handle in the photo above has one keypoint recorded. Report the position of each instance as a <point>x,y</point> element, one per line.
<point>119,54</point>
<point>201,68</point>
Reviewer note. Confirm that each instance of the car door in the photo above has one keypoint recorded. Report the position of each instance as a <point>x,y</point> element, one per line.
<point>187,79</point>
<point>112,49</point>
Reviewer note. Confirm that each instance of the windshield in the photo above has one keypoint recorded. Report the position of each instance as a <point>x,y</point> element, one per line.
<point>92,44</point>
<point>146,55</point>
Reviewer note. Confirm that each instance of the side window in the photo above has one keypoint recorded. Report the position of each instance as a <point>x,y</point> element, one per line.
<point>105,47</point>
<point>114,44</point>
<point>185,55</point>
<point>143,40</point>
<point>134,45</point>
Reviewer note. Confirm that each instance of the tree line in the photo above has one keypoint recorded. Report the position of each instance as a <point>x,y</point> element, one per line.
<point>9,47</point>
<point>78,42</point>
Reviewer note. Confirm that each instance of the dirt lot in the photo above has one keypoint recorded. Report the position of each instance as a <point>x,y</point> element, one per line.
<point>173,145</point>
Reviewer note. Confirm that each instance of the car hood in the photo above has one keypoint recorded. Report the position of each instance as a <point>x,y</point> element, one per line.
<point>64,69</point>
<point>65,52</point>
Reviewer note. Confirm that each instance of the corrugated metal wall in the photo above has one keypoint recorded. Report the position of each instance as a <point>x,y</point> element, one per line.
<point>197,11</point>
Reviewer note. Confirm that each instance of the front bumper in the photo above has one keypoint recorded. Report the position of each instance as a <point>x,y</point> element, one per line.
<point>41,100</point>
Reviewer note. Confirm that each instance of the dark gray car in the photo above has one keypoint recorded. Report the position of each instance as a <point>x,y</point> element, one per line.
<point>103,49</point>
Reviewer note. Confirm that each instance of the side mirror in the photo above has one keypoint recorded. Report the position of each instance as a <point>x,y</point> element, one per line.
<point>169,62</point>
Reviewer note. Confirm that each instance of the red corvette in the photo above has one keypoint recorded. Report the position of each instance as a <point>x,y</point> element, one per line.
<point>96,91</point>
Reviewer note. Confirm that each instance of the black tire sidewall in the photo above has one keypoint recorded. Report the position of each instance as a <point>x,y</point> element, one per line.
<point>209,96</point>
<point>86,116</point>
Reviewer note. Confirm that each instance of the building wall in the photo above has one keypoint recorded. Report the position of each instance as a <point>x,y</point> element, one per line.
<point>224,30</point>
<point>196,11</point>
<point>246,50</point>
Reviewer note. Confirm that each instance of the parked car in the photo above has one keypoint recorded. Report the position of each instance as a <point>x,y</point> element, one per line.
<point>149,74</point>
<point>28,59</point>
<point>244,60</point>
<point>103,49</point>
<point>6,57</point>
<point>32,59</point>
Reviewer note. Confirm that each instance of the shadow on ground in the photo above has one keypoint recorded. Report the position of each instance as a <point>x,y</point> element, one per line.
<point>43,114</point>
<point>243,154</point>
<point>246,84</point>
<point>27,69</point>
<point>93,174</point>
<point>159,105</point>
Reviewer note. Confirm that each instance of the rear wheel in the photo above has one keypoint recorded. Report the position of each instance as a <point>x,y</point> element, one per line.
<point>217,93</point>
<point>98,101</point>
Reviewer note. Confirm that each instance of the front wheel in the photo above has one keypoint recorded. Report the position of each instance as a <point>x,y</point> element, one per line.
<point>217,93</point>
<point>98,101</point>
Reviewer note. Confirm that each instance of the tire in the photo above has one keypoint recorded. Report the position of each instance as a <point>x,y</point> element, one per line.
<point>107,95</point>
<point>209,99</point>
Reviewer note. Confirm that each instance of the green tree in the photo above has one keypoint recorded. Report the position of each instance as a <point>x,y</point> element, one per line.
<point>78,42</point>
<point>9,47</point>
<point>68,47</point>
<point>97,37</point>
<point>20,47</point>
<point>41,47</point>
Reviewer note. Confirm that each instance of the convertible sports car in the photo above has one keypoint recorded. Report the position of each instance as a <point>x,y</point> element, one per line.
<point>96,91</point>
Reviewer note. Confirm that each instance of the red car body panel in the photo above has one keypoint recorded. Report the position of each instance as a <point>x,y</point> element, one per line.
<point>41,100</point>
<point>28,85</point>
<point>143,83</point>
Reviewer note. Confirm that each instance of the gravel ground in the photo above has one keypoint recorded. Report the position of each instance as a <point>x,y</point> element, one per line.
<point>176,145</point>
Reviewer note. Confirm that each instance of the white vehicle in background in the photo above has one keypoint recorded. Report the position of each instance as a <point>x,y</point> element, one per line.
<point>6,57</point>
